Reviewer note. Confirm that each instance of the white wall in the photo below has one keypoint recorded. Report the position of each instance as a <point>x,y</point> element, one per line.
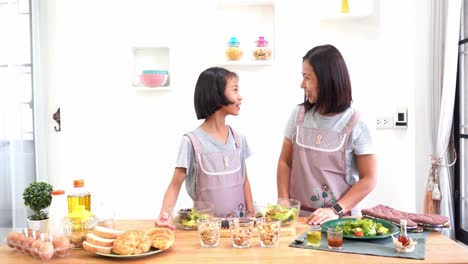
<point>124,143</point>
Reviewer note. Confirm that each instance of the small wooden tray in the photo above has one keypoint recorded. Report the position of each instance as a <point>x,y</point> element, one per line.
<point>285,231</point>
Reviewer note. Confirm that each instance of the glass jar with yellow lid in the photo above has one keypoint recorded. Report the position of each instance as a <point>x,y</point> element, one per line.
<point>79,223</point>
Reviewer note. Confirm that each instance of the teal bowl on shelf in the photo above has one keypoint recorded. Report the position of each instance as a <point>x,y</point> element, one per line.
<point>154,72</point>
<point>154,78</point>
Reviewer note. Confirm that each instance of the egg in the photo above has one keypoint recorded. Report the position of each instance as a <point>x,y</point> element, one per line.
<point>27,244</point>
<point>35,247</point>
<point>46,250</point>
<point>12,237</point>
<point>19,241</point>
<point>61,244</point>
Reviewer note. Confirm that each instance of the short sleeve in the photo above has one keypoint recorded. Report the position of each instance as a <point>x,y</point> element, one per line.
<point>247,152</point>
<point>185,153</point>
<point>186,159</point>
<point>291,124</point>
<point>363,139</point>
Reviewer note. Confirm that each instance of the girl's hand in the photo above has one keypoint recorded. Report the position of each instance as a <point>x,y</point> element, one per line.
<point>321,215</point>
<point>164,220</point>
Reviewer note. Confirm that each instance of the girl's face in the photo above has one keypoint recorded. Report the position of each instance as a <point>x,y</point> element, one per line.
<point>309,82</point>
<point>232,95</point>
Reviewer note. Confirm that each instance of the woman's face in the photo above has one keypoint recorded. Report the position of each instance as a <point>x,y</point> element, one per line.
<point>232,94</point>
<point>309,82</point>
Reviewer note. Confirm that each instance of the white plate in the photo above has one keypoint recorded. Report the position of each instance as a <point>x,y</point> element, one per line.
<point>149,253</point>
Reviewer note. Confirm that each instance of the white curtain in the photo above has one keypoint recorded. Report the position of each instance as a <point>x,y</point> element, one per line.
<point>17,166</point>
<point>446,21</point>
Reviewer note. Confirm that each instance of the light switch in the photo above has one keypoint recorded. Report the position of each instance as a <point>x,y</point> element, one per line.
<point>401,118</point>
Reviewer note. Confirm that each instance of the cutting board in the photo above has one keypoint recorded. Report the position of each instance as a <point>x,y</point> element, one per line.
<point>285,231</point>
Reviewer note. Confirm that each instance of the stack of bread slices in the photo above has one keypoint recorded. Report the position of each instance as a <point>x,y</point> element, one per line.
<point>101,240</point>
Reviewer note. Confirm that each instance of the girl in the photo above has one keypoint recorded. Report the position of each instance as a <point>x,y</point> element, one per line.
<point>212,157</point>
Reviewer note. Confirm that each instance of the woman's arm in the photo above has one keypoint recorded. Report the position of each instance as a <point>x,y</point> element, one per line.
<point>367,167</point>
<point>170,197</point>
<point>248,196</point>
<point>284,169</point>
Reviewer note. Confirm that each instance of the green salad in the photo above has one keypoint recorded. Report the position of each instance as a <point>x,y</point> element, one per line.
<point>278,212</point>
<point>364,227</point>
<point>188,217</point>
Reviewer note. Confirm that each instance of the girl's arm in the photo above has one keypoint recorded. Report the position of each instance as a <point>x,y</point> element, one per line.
<point>248,195</point>
<point>170,198</point>
<point>284,169</point>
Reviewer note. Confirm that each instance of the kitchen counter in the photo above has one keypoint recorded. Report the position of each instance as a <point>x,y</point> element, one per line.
<point>187,249</point>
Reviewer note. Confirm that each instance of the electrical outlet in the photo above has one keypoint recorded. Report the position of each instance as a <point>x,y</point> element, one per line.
<point>384,122</point>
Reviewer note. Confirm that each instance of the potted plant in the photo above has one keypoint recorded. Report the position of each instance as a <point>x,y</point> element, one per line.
<point>38,197</point>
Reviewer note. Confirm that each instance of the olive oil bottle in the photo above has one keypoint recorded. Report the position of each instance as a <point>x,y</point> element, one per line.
<point>79,196</point>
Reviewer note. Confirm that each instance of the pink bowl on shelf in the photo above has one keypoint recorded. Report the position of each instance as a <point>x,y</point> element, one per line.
<point>153,78</point>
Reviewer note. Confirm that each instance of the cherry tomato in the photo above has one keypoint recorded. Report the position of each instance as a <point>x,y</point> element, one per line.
<point>358,233</point>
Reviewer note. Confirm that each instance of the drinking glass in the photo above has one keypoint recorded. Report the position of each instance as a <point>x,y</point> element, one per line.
<point>241,232</point>
<point>269,232</point>
<point>314,236</point>
<point>335,238</point>
<point>209,231</point>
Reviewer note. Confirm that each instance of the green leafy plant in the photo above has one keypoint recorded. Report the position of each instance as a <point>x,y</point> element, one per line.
<point>38,197</point>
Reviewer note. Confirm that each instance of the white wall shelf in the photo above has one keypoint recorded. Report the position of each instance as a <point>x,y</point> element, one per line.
<point>153,89</point>
<point>247,20</point>
<point>358,9</point>
<point>246,63</point>
<point>150,58</point>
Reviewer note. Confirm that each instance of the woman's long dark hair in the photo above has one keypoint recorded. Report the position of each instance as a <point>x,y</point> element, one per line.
<point>334,85</point>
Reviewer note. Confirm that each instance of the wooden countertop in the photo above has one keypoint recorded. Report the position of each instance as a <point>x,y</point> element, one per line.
<point>187,249</point>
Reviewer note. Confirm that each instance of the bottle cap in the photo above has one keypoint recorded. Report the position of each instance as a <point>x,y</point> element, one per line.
<point>233,42</point>
<point>57,192</point>
<point>261,42</point>
<point>403,222</point>
<point>78,183</point>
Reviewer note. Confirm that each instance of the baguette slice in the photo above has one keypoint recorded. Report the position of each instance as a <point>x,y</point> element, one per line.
<point>105,232</point>
<point>99,241</point>
<point>93,248</point>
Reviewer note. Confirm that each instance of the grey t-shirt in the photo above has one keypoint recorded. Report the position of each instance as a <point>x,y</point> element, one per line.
<point>186,158</point>
<point>359,143</point>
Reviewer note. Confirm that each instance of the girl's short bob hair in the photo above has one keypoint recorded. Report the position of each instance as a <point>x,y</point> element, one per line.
<point>334,84</point>
<point>209,91</point>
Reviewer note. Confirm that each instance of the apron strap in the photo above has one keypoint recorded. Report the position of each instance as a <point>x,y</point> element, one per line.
<point>351,123</point>
<point>299,121</point>
<point>236,137</point>
<point>195,142</point>
<point>197,149</point>
<point>349,127</point>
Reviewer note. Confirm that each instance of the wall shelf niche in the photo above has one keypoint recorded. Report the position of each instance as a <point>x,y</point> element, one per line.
<point>358,9</point>
<point>151,58</point>
<point>247,20</point>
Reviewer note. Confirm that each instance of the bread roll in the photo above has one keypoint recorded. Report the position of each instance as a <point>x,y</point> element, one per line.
<point>106,232</point>
<point>94,248</point>
<point>161,238</point>
<point>132,242</point>
<point>99,241</point>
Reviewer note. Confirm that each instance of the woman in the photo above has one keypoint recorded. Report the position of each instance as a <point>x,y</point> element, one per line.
<point>327,160</point>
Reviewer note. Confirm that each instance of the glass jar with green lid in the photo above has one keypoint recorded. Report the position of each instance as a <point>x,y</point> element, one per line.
<point>233,51</point>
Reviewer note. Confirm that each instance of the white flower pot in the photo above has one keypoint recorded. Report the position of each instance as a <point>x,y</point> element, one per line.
<point>40,225</point>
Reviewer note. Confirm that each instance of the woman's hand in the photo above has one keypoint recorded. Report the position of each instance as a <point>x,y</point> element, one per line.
<point>164,221</point>
<point>321,215</point>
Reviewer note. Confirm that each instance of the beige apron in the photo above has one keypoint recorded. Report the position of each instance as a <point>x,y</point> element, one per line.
<point>219,179</point>
<point>318,175</point>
